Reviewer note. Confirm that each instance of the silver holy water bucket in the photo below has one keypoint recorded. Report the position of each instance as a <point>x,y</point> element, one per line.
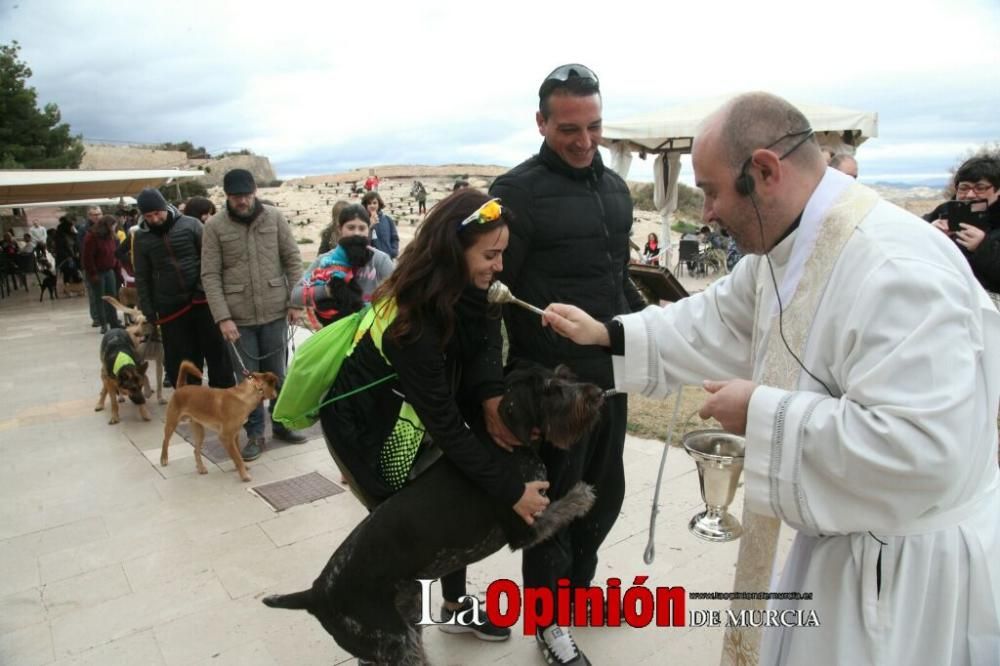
<point>719,457</point>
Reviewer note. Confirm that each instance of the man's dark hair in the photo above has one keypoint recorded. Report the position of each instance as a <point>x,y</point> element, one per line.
<point>981,167</point>
<point>576,86</point>
<point>198,206</point>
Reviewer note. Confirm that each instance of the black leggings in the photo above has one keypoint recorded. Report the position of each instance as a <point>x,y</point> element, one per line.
<point>572,553</point>
<point>194,336</point>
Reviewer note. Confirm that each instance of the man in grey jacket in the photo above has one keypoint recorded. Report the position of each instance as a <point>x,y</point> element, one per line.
<point>249,263</point>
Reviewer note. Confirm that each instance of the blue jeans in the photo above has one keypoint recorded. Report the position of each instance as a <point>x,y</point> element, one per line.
<point>263,349</point>
<point>106,286</point>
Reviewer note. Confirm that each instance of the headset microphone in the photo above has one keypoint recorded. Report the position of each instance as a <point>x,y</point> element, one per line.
<point>745,186</point>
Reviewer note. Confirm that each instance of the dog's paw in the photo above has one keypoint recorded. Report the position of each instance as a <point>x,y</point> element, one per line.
<point>160,400</point>
<point>114,420</point>
<point>99,408</point>
<point>163,461</point>
<point>121,398</point>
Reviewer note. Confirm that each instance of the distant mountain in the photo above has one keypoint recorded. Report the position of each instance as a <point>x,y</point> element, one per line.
<point>937,183</point>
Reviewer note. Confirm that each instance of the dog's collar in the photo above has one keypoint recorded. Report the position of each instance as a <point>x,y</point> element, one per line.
<point>253,380</point>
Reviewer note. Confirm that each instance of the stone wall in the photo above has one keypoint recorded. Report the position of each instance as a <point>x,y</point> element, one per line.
<point>103,156</point>
<point>259,166</point>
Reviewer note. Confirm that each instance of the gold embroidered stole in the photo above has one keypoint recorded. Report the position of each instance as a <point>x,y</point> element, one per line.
<point>758,545</point>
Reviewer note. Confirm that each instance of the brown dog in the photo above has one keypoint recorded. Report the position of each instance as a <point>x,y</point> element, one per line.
<point>146,339</point>
<point>73,289</point>
<point>223,410</point>
<point>122,374</point>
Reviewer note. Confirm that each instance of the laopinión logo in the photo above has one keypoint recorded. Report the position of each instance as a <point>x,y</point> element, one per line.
<point>595,606</point>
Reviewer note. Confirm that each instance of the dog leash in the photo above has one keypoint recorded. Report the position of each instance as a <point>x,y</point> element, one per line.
<point>246,373</point>
<point>650,551</point>
<point>288,338</point>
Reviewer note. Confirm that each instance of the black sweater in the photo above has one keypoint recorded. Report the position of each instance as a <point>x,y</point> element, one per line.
<point>446,388</point>
<point>168,265</point>
<point>569,243</point>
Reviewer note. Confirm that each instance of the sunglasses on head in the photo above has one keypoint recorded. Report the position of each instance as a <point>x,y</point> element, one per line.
<point>488,212</point>
<point>564,73</point>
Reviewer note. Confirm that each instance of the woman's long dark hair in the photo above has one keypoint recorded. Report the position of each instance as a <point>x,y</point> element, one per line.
<point>431,273</point>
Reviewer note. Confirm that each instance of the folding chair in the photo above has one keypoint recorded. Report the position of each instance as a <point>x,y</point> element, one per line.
<point>687,253</point>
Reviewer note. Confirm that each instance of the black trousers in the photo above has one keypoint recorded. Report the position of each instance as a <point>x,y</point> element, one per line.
<point>194,336</point>
<point>572,553</point>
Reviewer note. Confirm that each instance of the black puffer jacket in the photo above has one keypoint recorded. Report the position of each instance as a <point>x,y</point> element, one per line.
<point>168,265</point>
<point>985,260</point>
<point>569,243</point>
<point>445,388</point>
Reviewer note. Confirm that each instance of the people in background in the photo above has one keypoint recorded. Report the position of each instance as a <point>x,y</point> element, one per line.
<point>385,237</point>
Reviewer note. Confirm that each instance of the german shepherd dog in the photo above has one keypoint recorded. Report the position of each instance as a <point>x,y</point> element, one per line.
<point>367,597</point>
<point>147,341</point>
<point>122,374</point>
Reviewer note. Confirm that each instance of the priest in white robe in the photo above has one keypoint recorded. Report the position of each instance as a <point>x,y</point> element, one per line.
<point>878,444</point>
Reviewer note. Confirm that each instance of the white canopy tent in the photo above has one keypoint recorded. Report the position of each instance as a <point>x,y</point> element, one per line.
<point>669,134</point>
<point>21,187</point>
<point>105,201</point>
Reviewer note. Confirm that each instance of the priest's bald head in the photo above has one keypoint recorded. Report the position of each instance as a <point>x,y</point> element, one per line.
<point>757,162</point>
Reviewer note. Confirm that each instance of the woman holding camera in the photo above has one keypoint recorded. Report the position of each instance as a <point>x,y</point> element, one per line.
<point>975,226</point>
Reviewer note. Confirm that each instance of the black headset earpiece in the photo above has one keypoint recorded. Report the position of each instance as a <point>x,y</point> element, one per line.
<point>744,182</point>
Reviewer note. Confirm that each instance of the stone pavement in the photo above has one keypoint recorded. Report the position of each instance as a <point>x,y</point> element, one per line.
<point>109,558</point>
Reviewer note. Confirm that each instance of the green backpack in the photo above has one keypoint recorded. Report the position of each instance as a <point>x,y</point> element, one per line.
<point>314,369</point>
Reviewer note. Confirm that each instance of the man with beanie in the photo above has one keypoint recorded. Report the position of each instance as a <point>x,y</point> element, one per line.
<point>167,258</point>
<point>249,264</point>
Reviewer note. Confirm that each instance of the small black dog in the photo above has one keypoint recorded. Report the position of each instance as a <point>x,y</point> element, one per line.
<point>367,597</point>
<point>49,284</point>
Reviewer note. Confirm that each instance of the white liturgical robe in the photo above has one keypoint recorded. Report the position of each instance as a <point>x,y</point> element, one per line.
<point>891,483</point>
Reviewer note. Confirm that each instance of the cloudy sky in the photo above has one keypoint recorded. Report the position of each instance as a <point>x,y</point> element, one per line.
<point>321,87</point>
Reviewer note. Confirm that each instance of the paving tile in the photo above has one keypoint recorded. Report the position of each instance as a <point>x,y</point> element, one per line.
<point>29,646</point>
<point>61,537</point>
<point>20,569</point>
<point>277,570</point>
<point>235,626</point>
<point>304,643</point>
<point>88,589</point>
<point>21,609</point>
<point>306,521</point>
<point>252,653</point>
<point>87,628</point>
<point>193,557</point>
<point>112,550</point>
<point>139,649</point>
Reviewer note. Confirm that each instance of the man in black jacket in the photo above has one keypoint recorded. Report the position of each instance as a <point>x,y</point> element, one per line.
<point>569,243</point>
<point>167,257</point>
<point>977,180</point>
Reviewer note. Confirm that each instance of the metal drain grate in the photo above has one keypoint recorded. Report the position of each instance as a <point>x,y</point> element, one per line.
<point>297,490</point>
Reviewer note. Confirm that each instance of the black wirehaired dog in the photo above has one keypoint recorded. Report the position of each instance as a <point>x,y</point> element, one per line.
<point>48,283</point>
<point>367,597</point>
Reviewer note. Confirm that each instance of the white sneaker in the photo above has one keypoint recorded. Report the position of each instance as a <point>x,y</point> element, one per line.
<point>558,647</point>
